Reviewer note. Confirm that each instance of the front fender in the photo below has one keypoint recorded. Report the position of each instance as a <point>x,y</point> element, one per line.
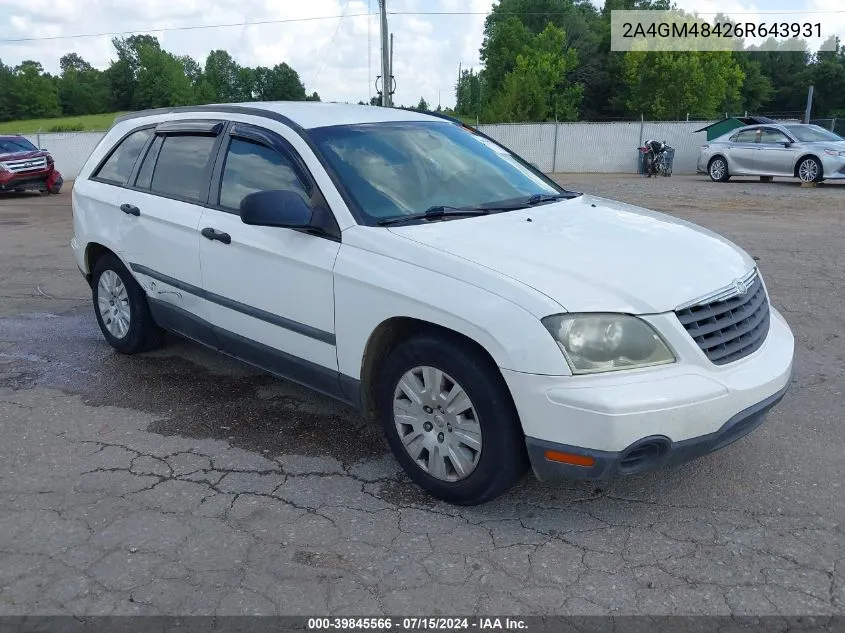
<point>371,288</point>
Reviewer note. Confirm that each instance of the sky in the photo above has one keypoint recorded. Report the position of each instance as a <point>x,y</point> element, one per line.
<point>339,58</point>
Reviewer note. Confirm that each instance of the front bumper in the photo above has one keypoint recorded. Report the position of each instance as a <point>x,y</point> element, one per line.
<point>658,415</point>
<point>42,180</point>
<point>833,167</point>
<point>647,453</point>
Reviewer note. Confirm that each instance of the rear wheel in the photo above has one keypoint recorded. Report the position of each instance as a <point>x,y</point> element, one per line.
<point>810,170</point>
<point>120,305</point>
<point>718,169</point>
<point>449,420</point>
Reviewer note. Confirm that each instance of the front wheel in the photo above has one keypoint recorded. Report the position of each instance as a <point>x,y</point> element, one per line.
<point>810,170</point>
<point>449,420</point>
<point>120,305</point>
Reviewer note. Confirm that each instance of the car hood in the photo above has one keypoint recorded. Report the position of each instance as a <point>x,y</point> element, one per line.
<point>21,155</point>
<point>593,254</point>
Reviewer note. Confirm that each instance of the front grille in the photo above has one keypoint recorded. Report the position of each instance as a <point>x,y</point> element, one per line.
<point>732,325</point>
<point>26,164</point>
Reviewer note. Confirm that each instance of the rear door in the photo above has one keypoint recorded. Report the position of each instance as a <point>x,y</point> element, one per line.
<point>163,206</point>
<point>270,290</point>
<point>772,156</point>
<point>741,151</point>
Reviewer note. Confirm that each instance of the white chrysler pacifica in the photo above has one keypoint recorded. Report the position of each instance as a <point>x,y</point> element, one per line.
<point>414,268</point>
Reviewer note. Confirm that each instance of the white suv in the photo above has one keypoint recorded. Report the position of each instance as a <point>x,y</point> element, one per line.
<point>413,267</point>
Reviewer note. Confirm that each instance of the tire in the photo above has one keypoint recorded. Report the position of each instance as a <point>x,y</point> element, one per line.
<point>113,283</point>
<point>717,169</point>
<point>491,417</point>
<point>810,170</point>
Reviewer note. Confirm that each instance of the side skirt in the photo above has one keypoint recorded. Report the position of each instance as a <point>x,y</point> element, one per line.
<point>316,377</point>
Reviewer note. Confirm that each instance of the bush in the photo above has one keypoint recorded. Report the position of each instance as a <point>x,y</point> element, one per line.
<point>66,127</point>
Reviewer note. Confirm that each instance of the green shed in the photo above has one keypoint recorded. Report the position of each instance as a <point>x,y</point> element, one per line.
<point>715,130</point>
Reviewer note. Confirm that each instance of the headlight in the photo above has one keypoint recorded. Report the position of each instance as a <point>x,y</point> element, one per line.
<point>599,342</point>
<point>833,152</point>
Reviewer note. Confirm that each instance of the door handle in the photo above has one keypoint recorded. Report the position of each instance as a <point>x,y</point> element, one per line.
<point>130,209</point>
<point>214,234</point>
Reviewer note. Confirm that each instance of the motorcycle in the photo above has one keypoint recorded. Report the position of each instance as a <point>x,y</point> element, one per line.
<point>657,159</point>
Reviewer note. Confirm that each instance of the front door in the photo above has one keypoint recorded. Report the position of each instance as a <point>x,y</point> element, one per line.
<point>774,155</point>
<point>270,290</point>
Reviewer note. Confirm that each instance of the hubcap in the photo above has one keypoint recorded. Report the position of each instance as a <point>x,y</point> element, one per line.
<point>437,423</point>
<point>113,303</point>
<point>808,171</point>
<point>717,169</point>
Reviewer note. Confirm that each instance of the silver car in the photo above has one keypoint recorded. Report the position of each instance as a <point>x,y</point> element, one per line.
<point>792,150</point>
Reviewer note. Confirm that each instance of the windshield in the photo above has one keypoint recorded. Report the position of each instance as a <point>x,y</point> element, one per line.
<point>12,145</point>
<point>394,169</point>
<point>812,133</point>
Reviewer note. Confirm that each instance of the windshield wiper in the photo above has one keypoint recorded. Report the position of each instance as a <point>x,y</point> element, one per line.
<point>537,198</point>
<point>436,213</point>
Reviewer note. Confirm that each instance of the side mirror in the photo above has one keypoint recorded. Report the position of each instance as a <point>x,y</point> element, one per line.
<point>280,208</point>
<point>787,143</point>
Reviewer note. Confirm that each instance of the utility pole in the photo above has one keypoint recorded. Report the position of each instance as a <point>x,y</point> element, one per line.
<point>390,83</point>
<point>809,105</point>
<point>385,57</point>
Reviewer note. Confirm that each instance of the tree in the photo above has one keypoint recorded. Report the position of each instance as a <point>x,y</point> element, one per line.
<point>162,81</point>
<point>670,84</point>
<point>82,88</point>
<point>280,83</point>
<point>7,106</point>
<point>221,73</point>
<point>422,106</point>
<point>539,88</point>
<point>827,74</point>
<point>512,23</point>
<point>33,93</point>
<point>122,74</point>
<point>468,94</point>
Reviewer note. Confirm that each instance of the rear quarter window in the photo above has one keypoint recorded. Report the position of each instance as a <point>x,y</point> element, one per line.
<point>118,166</point>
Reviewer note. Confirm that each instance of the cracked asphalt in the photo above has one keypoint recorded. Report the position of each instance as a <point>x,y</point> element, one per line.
<point>182,482</point>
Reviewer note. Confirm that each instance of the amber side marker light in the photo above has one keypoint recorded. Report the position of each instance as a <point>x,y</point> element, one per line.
<point>569,458</point>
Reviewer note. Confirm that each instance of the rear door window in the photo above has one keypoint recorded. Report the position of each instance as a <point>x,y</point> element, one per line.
<point>746,136</point>
<point>118,166</point>
<point>183,167</point>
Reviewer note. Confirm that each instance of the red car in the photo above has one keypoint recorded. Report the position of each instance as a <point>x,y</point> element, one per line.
<point>25,167</point>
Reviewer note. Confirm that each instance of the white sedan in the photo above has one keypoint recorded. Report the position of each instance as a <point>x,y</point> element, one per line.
<point>488,318</point>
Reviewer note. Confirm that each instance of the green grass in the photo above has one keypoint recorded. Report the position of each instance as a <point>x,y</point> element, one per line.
<point>61,124</point>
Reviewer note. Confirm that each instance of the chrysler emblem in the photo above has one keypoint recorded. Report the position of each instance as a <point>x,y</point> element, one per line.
<point>740,287</point>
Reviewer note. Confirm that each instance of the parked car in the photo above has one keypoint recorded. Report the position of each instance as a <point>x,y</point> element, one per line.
<point>25,167</point>
<point>489,318</point>
<point>791,150</point>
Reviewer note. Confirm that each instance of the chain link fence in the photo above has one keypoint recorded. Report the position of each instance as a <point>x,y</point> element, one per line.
<point>70,150</point>
<point>598,147</point>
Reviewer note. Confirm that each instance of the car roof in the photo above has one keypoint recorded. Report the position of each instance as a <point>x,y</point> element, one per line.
<point>10,137</point>
<point>305,114</point>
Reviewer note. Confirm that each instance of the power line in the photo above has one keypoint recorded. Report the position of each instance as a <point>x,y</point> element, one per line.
<point>331,41</point>
<point>516,13</point>
<point>179,28</point>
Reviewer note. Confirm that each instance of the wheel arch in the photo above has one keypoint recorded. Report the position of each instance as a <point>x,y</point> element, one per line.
<point>804,157</point>
<point>392,332</point>
<point>715,156</point>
